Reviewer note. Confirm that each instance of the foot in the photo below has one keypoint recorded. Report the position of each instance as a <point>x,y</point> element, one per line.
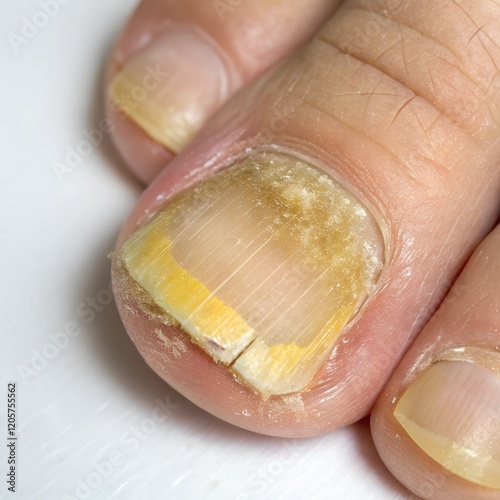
<point>282,262</point>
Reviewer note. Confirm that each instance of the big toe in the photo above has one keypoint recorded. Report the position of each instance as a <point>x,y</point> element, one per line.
<point>278,269</point>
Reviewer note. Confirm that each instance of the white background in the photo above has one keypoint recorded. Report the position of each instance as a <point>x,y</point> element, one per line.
<point>95,393</point>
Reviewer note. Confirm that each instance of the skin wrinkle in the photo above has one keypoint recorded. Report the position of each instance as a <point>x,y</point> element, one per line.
<point>493,62</point>
<point>421,293</point>
<point>406,86</point>
<point>401,39</point>
<point>445,61</point>
<point>347,125</point>
<point>431,305</point>
<point>401,109</point>
<point>403,52</point>
<point>384,15</point>
<point>465,203</point>
<point>424,130</point>
<point>481,30</point>
<point>433,163</point>
<point>419,180</point>
<point>482,87</point>
<point>387,49</point>
<point>465,12</point>
<point>407,103</point>
<point>371,96</point>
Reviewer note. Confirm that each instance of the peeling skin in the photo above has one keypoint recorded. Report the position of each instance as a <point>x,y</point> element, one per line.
<point>262,266</point>
<point>172,345</point>
<point>134,293</point>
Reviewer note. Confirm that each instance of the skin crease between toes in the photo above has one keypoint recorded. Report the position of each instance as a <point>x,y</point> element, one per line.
<point>238,31</point>
<point>406,171</point>
<point>464,329</point>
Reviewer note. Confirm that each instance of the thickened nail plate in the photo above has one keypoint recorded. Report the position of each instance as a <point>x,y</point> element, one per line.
<point>452,412</point>
<point>262,265</point>
<point>172,86</point>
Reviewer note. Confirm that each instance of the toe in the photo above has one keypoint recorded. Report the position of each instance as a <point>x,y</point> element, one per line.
<point>178,61</point>
<point>296,248</point>
<point>437,423</point>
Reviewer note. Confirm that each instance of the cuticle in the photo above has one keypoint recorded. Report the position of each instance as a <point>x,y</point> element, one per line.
<point>480,355</point>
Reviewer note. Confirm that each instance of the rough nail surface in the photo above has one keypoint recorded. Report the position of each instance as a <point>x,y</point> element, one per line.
<point>171,87</point>
<point>452,412</point>
<point>262,265</point>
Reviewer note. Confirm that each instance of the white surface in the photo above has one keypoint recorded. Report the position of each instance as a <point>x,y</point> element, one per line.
<point>96,392</point>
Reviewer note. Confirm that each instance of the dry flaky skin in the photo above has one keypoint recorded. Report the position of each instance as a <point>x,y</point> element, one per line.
<point>262,265</point>
<point>132,290</point>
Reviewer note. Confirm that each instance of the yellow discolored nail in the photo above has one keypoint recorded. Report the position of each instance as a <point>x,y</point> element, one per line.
<point>452,412</point>
<point>172,86</point>
<point>263,265</point>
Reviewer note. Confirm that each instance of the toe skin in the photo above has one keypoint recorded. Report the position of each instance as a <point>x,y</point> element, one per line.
<point>451,450</point>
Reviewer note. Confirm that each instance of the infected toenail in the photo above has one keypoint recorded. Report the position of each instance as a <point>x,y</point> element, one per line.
<point>263,265</point>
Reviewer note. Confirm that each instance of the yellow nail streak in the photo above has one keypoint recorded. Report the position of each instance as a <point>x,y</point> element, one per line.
<point>164,124</point>
<point>215,326</point>
<point>172,85</point>
<point>270,368</point>
<point>263,265</point>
